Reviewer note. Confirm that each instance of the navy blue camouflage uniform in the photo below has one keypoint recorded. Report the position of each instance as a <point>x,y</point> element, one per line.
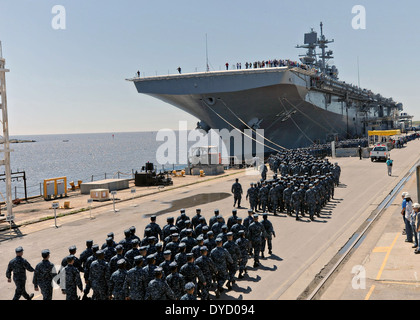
<point>43,276</point>
<point>18,267</point>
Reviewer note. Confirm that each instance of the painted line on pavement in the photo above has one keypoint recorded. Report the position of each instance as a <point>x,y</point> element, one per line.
<point>381,269</point>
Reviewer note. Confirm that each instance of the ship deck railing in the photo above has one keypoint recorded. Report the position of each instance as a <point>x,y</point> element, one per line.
<point>218,72</point>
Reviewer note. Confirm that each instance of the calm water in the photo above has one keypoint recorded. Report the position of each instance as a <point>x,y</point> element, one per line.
<point>81,157</point>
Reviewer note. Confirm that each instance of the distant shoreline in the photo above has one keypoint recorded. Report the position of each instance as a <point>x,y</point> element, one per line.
<point>19,141</point>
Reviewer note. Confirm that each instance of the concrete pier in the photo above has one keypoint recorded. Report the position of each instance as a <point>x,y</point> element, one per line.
<point>301,249</point>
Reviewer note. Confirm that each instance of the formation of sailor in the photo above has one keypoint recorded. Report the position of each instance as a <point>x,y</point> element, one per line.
<point>302,184</point>
<point>182,260</point>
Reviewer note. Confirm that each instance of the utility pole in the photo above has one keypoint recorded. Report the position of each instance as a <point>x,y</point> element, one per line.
<point>6,143</point>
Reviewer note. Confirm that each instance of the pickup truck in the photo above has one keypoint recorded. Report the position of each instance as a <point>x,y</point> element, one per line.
<point>380,152</point>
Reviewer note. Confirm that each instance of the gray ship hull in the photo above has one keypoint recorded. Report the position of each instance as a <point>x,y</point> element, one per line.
<point>281,101</point>
<point>287,119</point>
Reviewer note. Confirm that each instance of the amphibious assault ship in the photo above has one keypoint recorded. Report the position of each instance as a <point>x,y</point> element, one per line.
<point>298,104</point>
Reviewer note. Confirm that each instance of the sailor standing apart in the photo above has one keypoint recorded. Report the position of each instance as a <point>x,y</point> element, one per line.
<point>389,163</point>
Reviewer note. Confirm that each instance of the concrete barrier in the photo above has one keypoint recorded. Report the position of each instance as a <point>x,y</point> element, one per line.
<point>352,152</point>
<point>209,170</point>
<point>110,184</point>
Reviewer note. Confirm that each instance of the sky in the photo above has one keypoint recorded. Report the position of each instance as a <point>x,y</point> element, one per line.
<point>73,80</point>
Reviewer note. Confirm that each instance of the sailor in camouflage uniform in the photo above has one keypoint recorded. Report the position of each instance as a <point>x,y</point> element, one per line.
<point>135,282</point>
<point>133,233</point>
<point>214,218</point>
<point>243,244</point>
<point>269,230</point>
<point>150,267</point>
<point>256,233</point>
<point>197,219</point>
<point>158,289</point>
<point>336,171</point>
<point>116,282</point>
<point>166,230</point>
<point>209,270</point>
<point>302,192</point>
<point>263,172</point>
<point>192,273</point>
<point>251,195</point>
<point>199,228</point>
<point>189,240</point>
<point>196,250</point>
<point>181,256</point>
<point>263,195</point>
<point>318,197</point>
<point>232,219</point>
<point>190,292</point>
<point>223,234</point>
<point>109,243</point>
<point>210,242</point>
<point>156,231</point>
<point>109,249</point>
<point>221,258</point>
<point>180,220</point>
<point>173,246</point>
<point>113,266</point>
<point>274,198</point>
<point>18,266</point>
<point>126,242</point>
<point>176,281</point>
<point>86,253</point>
<point>99,277</point>
<point>287,197</point>
<point>237,193</point>
<point>77,264</point>
<point>130,254</point>
<point>165,265</point>
<point>86,273</point>
<point>295,202</point>
<point>236,228</point>
<point>44,275</point>
<point>310,200</point>
<point>73,280</point>
<point>217,226</point>
<point>231,246</point>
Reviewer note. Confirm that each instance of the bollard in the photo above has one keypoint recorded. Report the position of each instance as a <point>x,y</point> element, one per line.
<point>113,200</point>
<point>133,192</point>
<point>89,201</point>
<point>55,206</point>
